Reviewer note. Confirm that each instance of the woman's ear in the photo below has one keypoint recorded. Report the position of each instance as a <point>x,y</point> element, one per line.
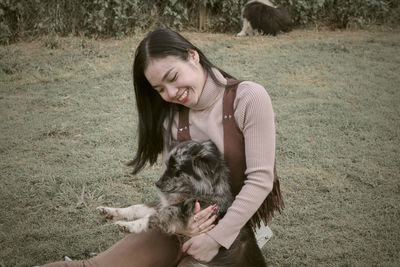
<point>193,56</point>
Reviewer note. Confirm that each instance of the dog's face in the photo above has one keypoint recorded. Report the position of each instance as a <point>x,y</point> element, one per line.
<point>190,168</point>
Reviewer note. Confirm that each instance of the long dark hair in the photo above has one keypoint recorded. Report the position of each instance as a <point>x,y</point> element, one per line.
<point>152,109</point>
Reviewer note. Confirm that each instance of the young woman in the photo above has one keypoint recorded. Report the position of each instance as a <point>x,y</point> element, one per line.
<point>180,95</point>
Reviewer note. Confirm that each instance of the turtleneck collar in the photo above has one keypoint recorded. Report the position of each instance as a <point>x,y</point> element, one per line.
<point>211,91</point>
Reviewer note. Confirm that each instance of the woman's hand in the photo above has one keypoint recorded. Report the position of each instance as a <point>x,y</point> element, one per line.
<point>201,247</point>
<point>200,222</point>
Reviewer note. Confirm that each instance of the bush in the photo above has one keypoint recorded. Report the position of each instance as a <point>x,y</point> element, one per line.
<point>109,18</point>
<point>343,12</point>
<point>115,18</point>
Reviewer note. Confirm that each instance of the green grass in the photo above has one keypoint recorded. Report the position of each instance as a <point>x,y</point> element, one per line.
<point>68,125</point>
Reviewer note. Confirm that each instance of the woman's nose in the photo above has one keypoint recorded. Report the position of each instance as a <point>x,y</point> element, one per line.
<point>171,92</point>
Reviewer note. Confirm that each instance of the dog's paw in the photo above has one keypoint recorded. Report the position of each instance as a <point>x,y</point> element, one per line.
<point>106,212</point>
<point>123,227</point>
<point>136,226</point>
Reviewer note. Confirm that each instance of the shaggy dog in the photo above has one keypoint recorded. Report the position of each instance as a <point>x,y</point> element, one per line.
<point>195,171</point>
<point>263,16</point>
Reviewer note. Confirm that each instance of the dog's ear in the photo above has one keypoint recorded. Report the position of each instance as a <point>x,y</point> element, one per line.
<point>207,154</point>
<point>210,146</point>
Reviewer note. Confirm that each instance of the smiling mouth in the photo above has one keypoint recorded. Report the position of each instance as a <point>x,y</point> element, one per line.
<point>184,96</point>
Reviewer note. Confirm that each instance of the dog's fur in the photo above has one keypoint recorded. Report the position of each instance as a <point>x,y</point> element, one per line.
<point>195,171</point>
<point>263,16</point>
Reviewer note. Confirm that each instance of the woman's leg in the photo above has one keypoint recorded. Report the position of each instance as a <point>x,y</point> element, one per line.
<point>147,249</point>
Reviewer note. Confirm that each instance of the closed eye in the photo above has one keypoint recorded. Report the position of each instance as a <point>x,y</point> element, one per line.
<point>174,78</point>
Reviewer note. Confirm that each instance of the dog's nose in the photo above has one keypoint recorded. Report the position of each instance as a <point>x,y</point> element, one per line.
<point>158,183</point>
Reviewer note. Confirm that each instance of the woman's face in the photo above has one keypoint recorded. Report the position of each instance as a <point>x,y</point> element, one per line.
<point>177,81</point>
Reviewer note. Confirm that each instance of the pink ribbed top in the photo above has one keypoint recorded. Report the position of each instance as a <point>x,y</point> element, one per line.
<point>255,118</point>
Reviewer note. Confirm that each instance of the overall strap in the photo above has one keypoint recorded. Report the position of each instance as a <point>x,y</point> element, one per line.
<point>233,139</point>
<point>183,125</point>
<point>235,156</point>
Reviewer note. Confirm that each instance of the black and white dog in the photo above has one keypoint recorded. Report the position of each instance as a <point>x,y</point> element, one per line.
<point>195,171</point>
<point>263,16</point>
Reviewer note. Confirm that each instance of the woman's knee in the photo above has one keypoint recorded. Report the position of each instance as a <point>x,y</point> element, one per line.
<point>162,249</point>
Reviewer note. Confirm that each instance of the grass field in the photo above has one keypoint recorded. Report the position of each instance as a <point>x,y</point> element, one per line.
<point>68,125</point>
